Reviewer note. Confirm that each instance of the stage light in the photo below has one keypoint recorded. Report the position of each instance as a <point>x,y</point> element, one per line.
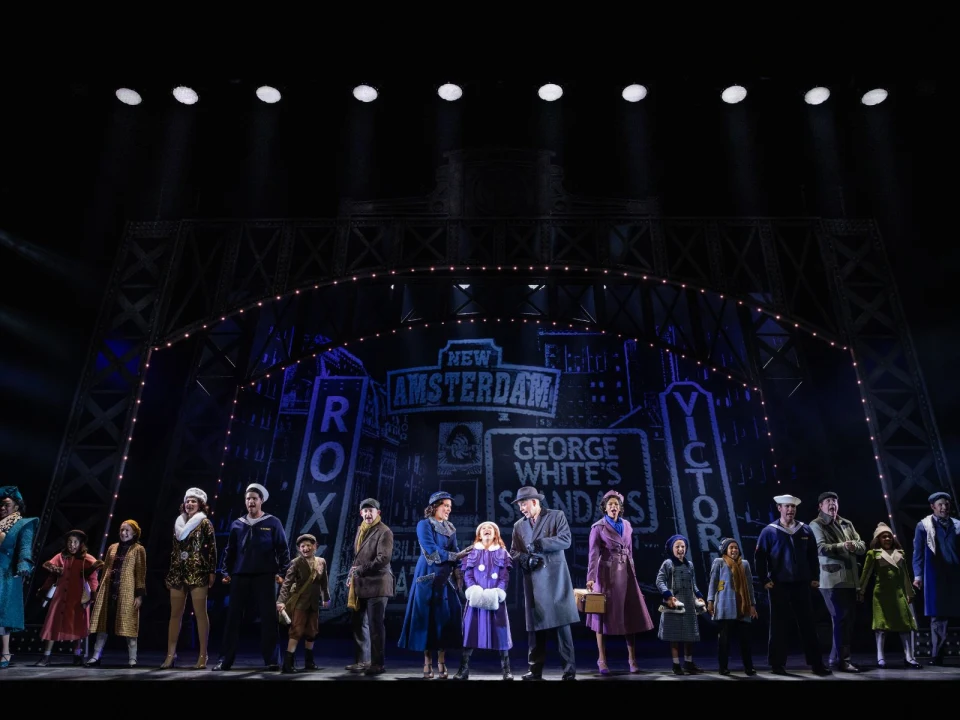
<point>450,92</point>
<point>550,92</point>
<point>128,96</point>
<point>634,93</point>
<point>874,97</point>
<point>268,94</point>
<point>733,94</point>
<point>185,95</point>
<point>365,93</point>
<point>816,96</point>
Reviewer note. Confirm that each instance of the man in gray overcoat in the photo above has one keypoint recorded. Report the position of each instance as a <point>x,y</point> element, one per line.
<point>538,545</point>
<point>838,546</point>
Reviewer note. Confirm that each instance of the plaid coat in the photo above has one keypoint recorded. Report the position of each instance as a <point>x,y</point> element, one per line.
<point>133,582</point>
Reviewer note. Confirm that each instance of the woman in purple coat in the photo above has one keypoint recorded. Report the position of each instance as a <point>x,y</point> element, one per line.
<point>486,574</point>
<point>610,571</point>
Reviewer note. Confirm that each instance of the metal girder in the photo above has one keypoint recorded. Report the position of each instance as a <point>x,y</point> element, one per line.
<point>910,458</point>
<point>91,455</point>
<point>687,282</point>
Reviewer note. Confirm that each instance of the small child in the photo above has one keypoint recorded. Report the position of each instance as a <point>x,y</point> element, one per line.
<point>301,593</point>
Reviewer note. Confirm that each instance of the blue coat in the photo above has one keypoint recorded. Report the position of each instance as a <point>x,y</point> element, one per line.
<point>16,558</point>
<point>936,561</point>
<point>432,620</point>
<point>782,556</point>
<point>721,591</point>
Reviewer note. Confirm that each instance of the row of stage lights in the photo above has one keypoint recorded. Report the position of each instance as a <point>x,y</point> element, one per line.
<point>716,372</point>
<point>549,92</point>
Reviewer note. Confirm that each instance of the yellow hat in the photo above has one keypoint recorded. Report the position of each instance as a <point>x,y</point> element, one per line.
<point>134,525</point>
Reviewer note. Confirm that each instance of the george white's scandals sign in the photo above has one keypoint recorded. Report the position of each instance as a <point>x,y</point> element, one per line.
<point>471,375</point>
<point>701,490</point>
<point>573,469</point>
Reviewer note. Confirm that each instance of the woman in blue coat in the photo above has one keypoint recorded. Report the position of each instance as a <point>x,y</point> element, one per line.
<point>16,564</point>
<point>432,621</point>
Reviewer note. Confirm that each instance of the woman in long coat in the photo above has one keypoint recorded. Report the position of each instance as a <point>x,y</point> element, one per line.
<point>610,570</point>
<point>16,564</point>
<point>677,582</point>
<point>432,621</point>
<point>117,609</point>
<point>68,616</point>
<point>892,595</point>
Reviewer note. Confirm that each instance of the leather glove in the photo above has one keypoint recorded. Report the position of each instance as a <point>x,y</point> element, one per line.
<point>534,562</point>
<point>537,546</point>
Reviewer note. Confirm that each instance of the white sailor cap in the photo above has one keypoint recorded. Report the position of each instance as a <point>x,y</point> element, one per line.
<point>786,500</point>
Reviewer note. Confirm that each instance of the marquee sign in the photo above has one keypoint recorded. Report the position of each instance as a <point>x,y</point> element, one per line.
<point>471,375</point>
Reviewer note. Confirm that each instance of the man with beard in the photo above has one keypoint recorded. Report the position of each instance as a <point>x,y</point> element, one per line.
<point>371,585</point>
<point>787,565</point>
<point>838,546</point>
<point>254,563</point>
<point>537,546</point>
<point>936,567</point>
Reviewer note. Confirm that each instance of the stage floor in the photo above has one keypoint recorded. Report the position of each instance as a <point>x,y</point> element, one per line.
<point>249,667</point>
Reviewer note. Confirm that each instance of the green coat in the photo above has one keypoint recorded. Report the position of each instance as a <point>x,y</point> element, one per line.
<point>892,592</point>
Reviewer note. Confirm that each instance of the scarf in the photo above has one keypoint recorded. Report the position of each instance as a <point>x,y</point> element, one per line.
<point>8,522</point>
<point>615,524</point>
<point>183,527</point>
<point>353,602</point>
<point>739,585</point>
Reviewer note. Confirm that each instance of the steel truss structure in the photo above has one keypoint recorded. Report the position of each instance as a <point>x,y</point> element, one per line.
<point>680,282</point>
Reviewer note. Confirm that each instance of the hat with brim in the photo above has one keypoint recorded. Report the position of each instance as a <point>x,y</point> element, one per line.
<point>827,496</point>
<point>370,503</point>
<point>79,534</point>
<point>786,500</point>
<point>939,496</point>
<point>527,493</point>
<point>306,538</point>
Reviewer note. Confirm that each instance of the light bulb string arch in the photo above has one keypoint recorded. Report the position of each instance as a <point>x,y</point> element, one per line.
<point>560,325</point>
<point>582,271</point>
<point>128,433</point>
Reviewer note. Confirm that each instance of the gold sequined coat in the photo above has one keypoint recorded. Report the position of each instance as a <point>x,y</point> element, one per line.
<point>193,557</point>
<point>133,582</point>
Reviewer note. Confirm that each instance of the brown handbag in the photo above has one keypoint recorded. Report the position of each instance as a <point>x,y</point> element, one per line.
<point>593,603</point>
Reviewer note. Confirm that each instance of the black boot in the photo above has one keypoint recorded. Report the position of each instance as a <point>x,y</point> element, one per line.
<point>464,672</point>
<point>505,665</point>
<point>288,668</point>
<point>308,663</point>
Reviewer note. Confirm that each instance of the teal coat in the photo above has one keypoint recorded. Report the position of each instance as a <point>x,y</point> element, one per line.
<point>16,559</point>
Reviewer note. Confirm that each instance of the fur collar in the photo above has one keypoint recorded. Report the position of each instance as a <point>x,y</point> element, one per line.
<point>246,520</point>
<point>931,529</point>
<point>789,531</point>
<point>445,528</point>
<point>893,558</point>
<point>182,528</point>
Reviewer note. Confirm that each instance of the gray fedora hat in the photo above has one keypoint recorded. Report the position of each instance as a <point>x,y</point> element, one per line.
<point>528,493</point>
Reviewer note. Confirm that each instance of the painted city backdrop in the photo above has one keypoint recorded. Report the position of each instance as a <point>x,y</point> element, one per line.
<point>479,410</point>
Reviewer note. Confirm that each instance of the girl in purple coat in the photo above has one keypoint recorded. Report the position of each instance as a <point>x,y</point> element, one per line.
<point>610,571</point>
<point>486,574</point>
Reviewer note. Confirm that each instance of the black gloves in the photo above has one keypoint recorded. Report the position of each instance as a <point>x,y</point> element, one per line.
<point>534,562</point>
<point>537,546</point>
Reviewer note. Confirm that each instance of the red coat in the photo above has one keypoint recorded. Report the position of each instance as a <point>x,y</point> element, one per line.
<point>66,618</point>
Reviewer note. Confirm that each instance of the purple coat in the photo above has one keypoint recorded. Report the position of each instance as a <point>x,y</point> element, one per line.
<point>487,629</point>
<point>610,566</point>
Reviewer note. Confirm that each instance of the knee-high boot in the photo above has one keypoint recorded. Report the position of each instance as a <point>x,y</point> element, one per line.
<point>505,665</point>
<point>464,672</point>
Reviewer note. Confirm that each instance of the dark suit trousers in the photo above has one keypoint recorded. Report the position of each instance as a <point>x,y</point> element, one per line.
<point>742,631</point>
<point>369,632</point>
<point>262,590</point>
<point>786,599</point>
<point>841,604</point>
<point>537,655</point>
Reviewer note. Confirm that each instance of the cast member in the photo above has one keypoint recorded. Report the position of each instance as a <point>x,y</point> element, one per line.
<point>432,621</point>
<point>73,573</point>
<point>537,546</point>
<point>371,585</point>
<point>682,599</point>
<point>124,581</point>
<point>936,569</point>
<point>610,570</point>
<point>892,594</point>
<point>254,561</point>
<point>304,588</point>
<point>486,574</point>
<point>787,564</point>
<point>193,569</point>
<point>16,564</point>
<point>838,546</point>
<point>731,602</point>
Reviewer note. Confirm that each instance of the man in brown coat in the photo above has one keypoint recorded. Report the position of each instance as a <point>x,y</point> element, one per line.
<point>371,584</point>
